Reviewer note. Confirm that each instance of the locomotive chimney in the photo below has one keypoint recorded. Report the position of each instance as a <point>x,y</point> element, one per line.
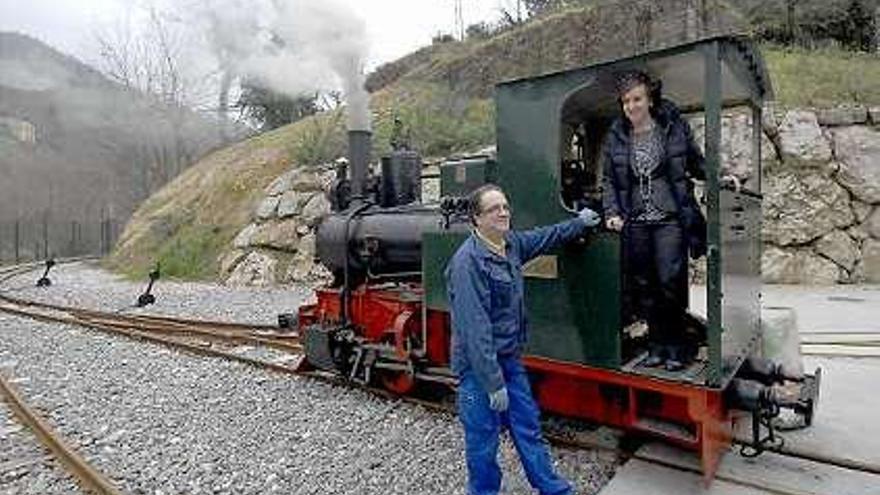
<point>358,160</point>
<point>351,67</point>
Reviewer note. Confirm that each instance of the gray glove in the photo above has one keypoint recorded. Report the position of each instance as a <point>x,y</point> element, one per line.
<point>590,217</point>
<point>498,400</point>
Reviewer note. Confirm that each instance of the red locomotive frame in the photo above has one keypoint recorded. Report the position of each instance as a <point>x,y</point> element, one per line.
<point>687,415</point>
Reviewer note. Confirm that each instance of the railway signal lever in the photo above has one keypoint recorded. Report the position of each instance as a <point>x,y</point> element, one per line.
<point>147,298</point>
<point>44,280</point>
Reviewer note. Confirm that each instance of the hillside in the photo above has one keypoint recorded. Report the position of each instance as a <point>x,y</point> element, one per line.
<point>443,94</point>
<point>76,147</point>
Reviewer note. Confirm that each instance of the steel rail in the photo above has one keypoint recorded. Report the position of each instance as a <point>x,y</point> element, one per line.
<point>145,335</point>
<point>11,271</point>
<point>233,332</point>
<point>851,464</point>
<point>89,478</point>
<point>139,317</point>
<point>209,332</point>
<point>214,323</point>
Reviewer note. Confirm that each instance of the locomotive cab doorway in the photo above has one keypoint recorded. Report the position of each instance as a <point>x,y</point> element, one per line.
<point>586,116</point>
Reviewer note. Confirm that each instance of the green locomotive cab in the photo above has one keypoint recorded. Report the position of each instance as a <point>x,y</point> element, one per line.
<point>550,132</point>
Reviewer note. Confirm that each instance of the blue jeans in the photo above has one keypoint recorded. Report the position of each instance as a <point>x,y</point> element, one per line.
<point>482,428</point>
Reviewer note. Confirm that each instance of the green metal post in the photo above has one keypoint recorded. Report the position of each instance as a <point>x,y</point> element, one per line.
<point>713,146</point>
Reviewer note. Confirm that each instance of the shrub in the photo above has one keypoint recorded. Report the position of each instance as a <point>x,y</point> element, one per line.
<point>438,121</point>
<point>192,252</point>
<point>320,139</point>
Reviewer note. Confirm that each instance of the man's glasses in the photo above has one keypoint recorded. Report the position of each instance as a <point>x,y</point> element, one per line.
<point>496,209</point>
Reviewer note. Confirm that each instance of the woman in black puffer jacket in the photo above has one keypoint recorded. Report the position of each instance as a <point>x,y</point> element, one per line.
<point>650,160</point>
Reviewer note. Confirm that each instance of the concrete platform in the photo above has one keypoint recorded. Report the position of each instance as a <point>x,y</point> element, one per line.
<point>642,478</point>
<point>767,474</point>
<point>846,427</point>
<point>838,308</point>
<point>847,423</point>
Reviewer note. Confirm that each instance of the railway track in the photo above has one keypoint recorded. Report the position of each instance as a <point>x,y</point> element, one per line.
<point>226,339</point>
<point>89,478</point>
<point>237,333</point>
<point>213,338</point>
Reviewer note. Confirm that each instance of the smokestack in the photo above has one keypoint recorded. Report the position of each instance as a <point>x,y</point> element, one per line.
<point>351,69</point>
<point>358,160</point>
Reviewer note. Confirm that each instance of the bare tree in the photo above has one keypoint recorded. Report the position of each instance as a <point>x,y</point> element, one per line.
<point>148,61</point>
<point>511,12</point>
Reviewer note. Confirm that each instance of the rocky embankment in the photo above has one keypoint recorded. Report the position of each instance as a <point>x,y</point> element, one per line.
<point>278,246</point>
<point>820,180</point>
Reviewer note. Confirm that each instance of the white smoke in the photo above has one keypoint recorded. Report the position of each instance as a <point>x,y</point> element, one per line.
<point>323,45</point>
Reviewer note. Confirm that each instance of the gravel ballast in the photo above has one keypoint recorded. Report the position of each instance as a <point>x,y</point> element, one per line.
<point>159,421</point>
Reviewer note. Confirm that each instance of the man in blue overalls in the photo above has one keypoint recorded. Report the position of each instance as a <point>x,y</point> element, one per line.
<point>485,286</point>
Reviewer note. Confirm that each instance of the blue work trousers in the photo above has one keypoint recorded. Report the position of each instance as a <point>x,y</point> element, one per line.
<point>482,429</point>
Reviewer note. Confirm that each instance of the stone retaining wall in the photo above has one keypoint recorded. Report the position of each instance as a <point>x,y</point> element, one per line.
<point>821,186</point>
<point>278,246</point>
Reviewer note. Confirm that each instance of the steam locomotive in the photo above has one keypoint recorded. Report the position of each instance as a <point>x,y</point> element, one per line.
<point>385,318</point>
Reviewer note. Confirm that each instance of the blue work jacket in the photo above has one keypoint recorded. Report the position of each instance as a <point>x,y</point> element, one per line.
<point>486,298</point>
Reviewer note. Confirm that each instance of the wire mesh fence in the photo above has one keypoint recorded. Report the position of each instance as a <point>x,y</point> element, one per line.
<point>38,236</point>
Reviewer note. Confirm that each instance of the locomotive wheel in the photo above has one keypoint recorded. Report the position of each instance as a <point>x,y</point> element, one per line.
<point>399,382</point>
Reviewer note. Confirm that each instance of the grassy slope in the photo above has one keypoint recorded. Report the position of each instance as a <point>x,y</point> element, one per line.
<point>445,100</point>
<point>823,78</point>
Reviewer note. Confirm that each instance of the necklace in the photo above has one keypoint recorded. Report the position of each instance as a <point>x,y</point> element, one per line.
<point>645,128</point>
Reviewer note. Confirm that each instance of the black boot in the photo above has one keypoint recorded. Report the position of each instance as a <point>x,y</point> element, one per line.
<point>656,356</point>
<point>679,358</point>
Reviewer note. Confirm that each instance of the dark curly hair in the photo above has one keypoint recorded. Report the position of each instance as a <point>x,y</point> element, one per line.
<point>626,81</point>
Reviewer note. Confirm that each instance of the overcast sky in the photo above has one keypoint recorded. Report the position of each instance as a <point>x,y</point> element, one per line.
<point>395,27</point>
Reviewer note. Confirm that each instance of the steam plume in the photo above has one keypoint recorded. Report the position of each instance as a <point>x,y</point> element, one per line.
<point>295,47</point>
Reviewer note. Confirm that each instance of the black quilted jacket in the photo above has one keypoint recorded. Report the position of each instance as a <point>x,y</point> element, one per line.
<point>681,162</point>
